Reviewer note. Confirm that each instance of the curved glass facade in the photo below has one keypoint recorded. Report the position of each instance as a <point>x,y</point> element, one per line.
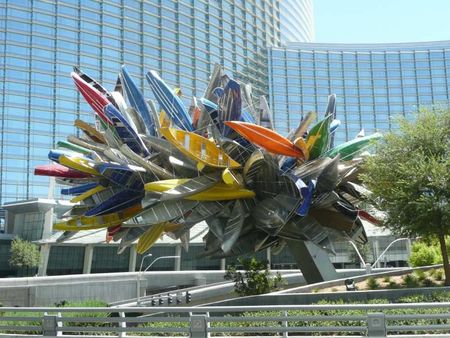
<point>373,83</point>
<point>181,40</point>
<point>297,20</point>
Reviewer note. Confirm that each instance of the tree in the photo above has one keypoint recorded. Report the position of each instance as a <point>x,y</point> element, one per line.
<point>409,178</point>
<point>24,254</point>
<point>255,280</point>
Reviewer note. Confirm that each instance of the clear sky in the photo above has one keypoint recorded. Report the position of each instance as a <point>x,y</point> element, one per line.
<point>374,21</point>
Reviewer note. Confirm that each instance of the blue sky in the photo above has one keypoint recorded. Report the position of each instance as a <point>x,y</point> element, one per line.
<point>375,21</point>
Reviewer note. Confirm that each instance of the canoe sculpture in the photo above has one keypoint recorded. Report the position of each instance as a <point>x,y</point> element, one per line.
<point>148,168</point>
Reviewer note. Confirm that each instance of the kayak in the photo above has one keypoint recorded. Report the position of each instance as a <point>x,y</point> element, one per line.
<point>57,170</point>
<point>92,96</point>
<point>352,148</point>
<point>199,148</point>
<point>169,102</point>
<point>125,131</point>
<point>218,192</point>
<point>90,131</point>
<point>266,138</point>
<point>97,222</point>
<point>137,101</point>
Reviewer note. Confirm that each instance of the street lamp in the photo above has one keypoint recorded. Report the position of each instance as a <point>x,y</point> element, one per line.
<point>138,281</point>
<point>387,248</point>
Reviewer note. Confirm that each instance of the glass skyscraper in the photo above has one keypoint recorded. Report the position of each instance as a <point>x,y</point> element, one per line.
<point>373,82</point>
<point>296,21</point>
<point>181,40</point>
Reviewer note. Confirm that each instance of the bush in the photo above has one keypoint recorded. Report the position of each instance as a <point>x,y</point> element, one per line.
<point>387,279</point>
<point>410,281</point>
<point>438,274</point>
<point>24,255</point>
<point>256,280</point>
<point>393,285</point>
<point>372,283</point>
<point>427,282</point>
<point>420,275</point>
<point>424,254</point>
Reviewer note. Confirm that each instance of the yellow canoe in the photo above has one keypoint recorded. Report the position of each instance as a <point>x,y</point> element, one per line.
<point>97,222</point>
<point>80,164</point>
<point>149,238</point>
<point>90,131</point>
<point>87,194</point>
<point>219,192</point>
<point>199,148</point>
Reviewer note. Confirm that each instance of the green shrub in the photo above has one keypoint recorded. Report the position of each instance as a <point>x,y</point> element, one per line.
<point>256,279</point>
<point>387,279</point>
<point>372,283</point>
<point>420,275</point>
<point>423,254</point>
<point>438,274</point>
<point>410,281</point>
<point>428,282</point>
<point>393,285</point>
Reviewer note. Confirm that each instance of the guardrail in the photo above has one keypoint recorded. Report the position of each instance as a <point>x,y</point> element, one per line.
<point>355,320</point>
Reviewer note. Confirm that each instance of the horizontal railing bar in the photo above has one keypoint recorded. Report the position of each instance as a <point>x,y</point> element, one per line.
<point>252,308</point>
<point>21,328</point>
<point>285,318</point>
<point>289,329</point>
<point>24,319</point>
<point>418,327</point>
<point>123,319</point>
<point>419,316</point>
<point>122,329</point>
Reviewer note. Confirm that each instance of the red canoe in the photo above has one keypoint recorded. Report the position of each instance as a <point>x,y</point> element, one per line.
<point>57,170</point>
<point>92,96</point>
<point>266,138</point>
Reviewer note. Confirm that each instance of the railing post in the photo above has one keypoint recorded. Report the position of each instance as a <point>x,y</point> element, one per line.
<point>198,327</point>
<point>285,324</point>
<point>123,325</point>
<point>49,325</point>
<point>376,325</point>
<point>59,324</point>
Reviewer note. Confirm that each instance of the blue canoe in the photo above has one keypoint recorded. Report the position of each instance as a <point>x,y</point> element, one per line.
<point>124,176</point>
<point>212,109</point>
<point>230,105</point>
<point>79,189</point>
<point>137,101</point>
<point>120,201</point>
<point>169,102</point>
<point>125,131</point>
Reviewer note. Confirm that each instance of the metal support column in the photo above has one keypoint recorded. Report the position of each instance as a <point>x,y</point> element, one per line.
<point>313,261</point>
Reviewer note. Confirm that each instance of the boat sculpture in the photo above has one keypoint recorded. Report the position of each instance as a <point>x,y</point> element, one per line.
<point>147,168</point>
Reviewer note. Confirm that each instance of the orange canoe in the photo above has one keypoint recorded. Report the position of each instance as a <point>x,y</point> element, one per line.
<point>266,138</point>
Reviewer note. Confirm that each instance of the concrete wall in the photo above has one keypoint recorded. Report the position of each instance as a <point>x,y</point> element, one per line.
<point>115,287</point>
<point>110,287</point>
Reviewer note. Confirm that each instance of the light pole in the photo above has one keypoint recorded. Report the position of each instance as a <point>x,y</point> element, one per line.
<point>387,248</point>
<point>138,281</point>
<point>366,265</point>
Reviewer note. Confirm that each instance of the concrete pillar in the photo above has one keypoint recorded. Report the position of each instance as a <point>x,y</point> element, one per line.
<point>313,261</point>
<point>43,262</point>
<point>269,258</point>
<point>132,260</point>
<point>376,249</point>
<point>88,253</point>
<point>48,224</point>
<point>177,262</point>
<point>223,264</point>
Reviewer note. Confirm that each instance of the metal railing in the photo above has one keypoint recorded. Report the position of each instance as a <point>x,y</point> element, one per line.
<point>350,320</point>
